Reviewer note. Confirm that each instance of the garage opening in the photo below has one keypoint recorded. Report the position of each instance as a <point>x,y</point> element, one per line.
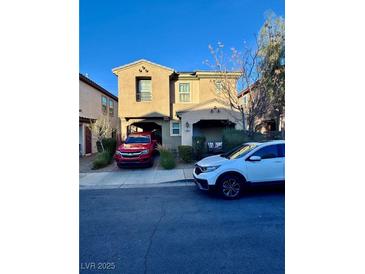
<point>147,126</point>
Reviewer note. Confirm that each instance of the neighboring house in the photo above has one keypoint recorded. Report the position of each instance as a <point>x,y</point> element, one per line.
<point>177,105</point>
<point>94,102</point>
<point>267,122</point>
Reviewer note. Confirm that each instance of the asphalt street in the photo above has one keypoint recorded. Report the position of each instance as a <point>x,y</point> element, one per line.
<point>181,230</point>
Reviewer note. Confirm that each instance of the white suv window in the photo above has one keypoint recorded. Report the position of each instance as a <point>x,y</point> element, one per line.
<point>267,152</point>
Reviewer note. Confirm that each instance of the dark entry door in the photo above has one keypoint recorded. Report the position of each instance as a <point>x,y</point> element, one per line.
<point>87,140</point>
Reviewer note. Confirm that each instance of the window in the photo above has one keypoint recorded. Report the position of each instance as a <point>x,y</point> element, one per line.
<point>245,100</point>
<point>104,104</point>
<point>184,92</point>
<point>144,90</point>
<point>218,86</point>
<point>268,152</point>
<point>111,107</point>
<point>175,128</point>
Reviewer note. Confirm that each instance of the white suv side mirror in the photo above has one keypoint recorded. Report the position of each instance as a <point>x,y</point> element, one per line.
<point>254,158</point>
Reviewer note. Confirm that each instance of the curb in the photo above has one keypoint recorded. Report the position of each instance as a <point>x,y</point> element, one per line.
<point>183,182</point>
<point>178,181</point>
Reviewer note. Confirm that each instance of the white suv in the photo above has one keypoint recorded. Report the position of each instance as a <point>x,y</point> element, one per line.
<point>250,163</point>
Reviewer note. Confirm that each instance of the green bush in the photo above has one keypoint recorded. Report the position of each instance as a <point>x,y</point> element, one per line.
<point>167,159</point>
<point>198,146</point>
<point>102,159</point>
<point>233,137</point>
<point>186,153</point>
<point>98,147</point>
<point>110,145</point>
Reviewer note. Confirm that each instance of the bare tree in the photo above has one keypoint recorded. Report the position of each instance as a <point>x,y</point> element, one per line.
<point>259,73</point>
<point>101,129</point>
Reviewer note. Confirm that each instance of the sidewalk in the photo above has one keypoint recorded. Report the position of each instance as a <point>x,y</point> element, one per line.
<point>136,178</point>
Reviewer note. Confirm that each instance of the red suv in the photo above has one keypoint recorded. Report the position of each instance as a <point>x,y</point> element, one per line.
<point>138,149</point>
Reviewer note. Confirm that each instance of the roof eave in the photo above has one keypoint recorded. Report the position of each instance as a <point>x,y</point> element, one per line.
<point>114,70</point>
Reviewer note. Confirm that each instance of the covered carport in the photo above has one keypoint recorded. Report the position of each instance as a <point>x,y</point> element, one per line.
<point>144,125</point>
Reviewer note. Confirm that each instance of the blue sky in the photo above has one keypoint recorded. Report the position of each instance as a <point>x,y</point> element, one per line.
<point>173,33</point>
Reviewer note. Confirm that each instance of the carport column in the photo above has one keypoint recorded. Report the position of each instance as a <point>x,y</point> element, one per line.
<point>123,128</point>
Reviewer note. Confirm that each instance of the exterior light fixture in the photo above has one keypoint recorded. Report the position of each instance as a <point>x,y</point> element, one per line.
<point>214,109</point>
<point>187,125</point>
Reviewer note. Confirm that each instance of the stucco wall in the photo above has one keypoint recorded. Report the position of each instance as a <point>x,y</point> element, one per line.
<point>90,104</point>
<point>203,112</point>
<point>202,89</point>
<point>171,142</point>
<point>160,104</point>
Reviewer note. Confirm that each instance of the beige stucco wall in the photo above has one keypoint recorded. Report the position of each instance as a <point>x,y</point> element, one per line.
<point>90,107</point>
<point>160,104</point>
<point>90,104</point>
<point>203,112</point>
<point>202,89</point>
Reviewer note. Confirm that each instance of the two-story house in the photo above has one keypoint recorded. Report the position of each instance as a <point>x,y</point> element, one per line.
<point>177,105</point>
<point>94,102</point>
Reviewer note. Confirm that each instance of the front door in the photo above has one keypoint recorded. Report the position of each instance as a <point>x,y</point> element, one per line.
<point>87,140</point>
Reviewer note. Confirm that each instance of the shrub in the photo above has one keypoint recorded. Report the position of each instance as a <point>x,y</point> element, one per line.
<point>102,159</point>
<point>186,153</point>
<point>198,146</point>
<point>110,145</point>
<point>233,137</point>
<point>167,159</point>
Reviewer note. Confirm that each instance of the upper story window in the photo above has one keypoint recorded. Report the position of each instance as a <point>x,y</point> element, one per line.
<point>104,104</point>
<point>111,107</point>
<point>144,89</point>
<point>184,92</point>
<point>218,86</point>
<point>245,100</point>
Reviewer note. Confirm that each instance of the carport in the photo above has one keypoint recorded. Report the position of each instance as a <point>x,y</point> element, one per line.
<point>146,126</point>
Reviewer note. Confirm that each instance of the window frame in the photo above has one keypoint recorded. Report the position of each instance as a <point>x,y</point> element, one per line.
<point>189,85</point>
<point>111,108</point>
<point>104,111</point>
<point>138,93</point>
<point>220,83</point>
<point>172,128</point>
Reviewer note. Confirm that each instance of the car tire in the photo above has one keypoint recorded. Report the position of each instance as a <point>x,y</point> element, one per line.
<point>230,186</point>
